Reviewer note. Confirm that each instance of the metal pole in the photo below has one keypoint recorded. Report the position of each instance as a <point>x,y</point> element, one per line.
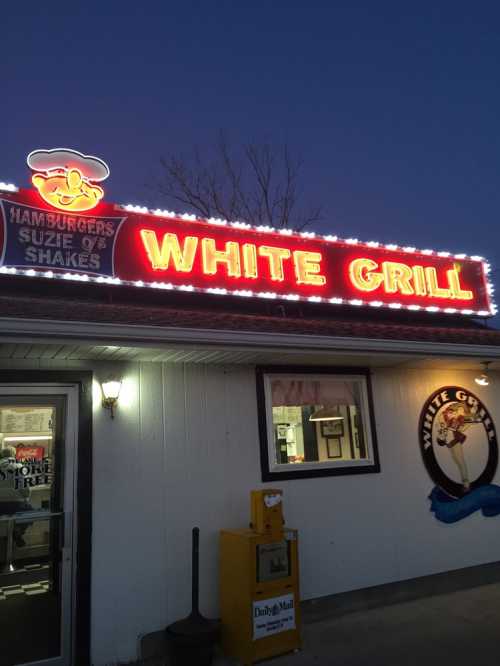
<point>195,589</point>
<point>9,566</point>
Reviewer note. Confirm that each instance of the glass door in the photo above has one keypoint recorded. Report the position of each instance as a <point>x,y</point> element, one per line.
<point>37,442</point>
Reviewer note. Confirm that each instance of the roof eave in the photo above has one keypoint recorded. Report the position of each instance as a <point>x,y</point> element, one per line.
<point>22,330</point>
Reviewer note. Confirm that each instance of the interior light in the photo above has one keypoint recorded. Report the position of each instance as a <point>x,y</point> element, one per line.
<point>27,438</point>
<point>326,414</point>
<point>484,378</point>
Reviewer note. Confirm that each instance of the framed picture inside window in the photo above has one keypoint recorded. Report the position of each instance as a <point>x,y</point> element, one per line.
<point>281,431</point>
<point>334,447</point>
<point>330,411</point>
<point>332,428</point>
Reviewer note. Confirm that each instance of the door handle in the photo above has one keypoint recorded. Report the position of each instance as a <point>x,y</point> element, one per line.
<point>67,530</point>
<point>66,554</point>
<point>61,534</point>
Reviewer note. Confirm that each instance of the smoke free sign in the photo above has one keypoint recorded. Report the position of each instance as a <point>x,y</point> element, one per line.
<point>273,616</point>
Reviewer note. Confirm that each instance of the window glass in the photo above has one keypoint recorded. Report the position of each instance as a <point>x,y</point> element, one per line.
<point>317,421</point>
<point>30,532</point>
<point>26,457</point>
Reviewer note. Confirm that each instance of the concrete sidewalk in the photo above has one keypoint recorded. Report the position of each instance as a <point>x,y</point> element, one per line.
<point>461,628</point>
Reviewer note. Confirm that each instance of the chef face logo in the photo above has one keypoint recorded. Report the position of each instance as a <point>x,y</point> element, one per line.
<point>67,179</point>
<point>456,431</point>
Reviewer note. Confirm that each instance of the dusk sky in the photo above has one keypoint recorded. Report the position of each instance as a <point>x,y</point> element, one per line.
<point>393,106</point>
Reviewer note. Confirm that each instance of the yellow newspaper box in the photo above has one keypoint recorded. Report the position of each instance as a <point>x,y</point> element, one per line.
<point>259,575</point>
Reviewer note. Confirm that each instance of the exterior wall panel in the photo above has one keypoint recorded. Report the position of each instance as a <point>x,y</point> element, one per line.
<point>183,450</point>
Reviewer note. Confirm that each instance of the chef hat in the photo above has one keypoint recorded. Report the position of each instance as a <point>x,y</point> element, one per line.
<point>90,167</point>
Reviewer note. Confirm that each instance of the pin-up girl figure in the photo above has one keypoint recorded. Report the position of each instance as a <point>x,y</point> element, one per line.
<point>454,420</point>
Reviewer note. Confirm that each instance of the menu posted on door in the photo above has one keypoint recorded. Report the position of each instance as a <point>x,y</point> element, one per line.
<point>272,616</point>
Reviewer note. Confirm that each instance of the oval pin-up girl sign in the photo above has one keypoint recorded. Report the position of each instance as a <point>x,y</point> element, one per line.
<point>459,447</point>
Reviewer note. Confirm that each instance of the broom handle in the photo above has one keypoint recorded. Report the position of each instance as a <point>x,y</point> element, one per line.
<point>195,590</point>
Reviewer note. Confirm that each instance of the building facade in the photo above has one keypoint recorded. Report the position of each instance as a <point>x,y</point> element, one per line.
<point>370,419</point>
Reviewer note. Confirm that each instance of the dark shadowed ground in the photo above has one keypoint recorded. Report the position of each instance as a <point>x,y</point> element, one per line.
<point>460,629</point>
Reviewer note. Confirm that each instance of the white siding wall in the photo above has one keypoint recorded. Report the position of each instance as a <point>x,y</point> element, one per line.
<point>183,450</point>
<point>197,465</point>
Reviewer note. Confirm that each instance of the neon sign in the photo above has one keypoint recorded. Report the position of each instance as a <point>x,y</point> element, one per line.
<point>66,179</point>
<point>238,259</point>
<point>394,277</point>
<point>425,281</point>
<point>43,234</point>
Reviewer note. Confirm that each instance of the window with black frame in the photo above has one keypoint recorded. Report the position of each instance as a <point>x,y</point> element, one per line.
<point>315,423</point>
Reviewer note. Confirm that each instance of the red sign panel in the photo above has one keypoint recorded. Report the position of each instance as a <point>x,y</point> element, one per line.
<point>146,248</point>
<point>29,453</point>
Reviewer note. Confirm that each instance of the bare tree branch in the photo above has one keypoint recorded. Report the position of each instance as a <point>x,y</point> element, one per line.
<point>258,184</point>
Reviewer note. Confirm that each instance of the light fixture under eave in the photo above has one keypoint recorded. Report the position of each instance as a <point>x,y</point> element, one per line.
<point>484,378</point>
<point>326,414</point>
<point>110,393</point>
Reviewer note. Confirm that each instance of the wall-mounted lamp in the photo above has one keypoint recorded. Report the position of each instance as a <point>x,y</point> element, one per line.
<point>484,378</point>
<point>326,414</point>
<point>110,392</point>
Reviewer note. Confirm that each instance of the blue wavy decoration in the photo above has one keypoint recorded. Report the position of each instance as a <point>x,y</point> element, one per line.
<point>448,509</point>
